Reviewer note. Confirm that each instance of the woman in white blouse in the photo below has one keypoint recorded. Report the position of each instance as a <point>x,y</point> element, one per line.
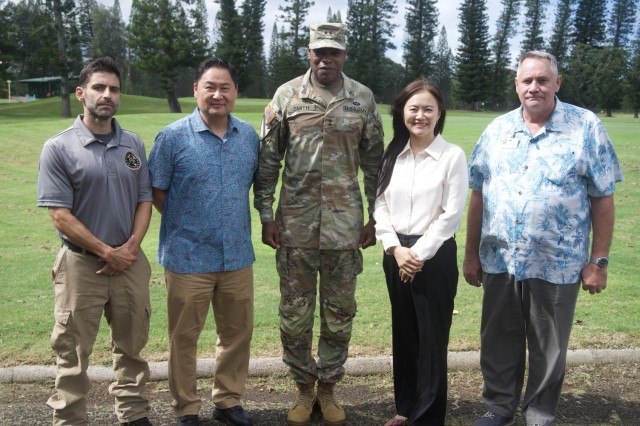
<point>422,190</point>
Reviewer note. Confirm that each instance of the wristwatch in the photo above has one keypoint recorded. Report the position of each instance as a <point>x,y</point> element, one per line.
<point>601,262</point>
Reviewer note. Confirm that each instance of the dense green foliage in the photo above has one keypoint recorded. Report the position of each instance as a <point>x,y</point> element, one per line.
<point>621,22</point>
<point>369,37</point>
<point>241,43</point>
<point>501,74</point>
<point>533,22</point>
<point>559,42</point>
<point>589,23</point>
<point>443,67</point>
<point>421,28</point>
<point>473,72</point>
<point>163,40</point>
<point>287,50</point>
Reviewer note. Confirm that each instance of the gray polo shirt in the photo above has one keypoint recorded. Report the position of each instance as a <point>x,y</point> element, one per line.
<point>101,183</point>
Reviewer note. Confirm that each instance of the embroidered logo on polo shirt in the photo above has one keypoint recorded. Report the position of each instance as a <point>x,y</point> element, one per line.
<point>132,161</point>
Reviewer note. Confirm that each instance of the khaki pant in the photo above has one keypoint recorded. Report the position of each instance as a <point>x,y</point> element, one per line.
<point>188,299</point>
<point>81,298</point>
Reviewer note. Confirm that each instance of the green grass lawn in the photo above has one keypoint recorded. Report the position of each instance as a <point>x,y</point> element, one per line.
<point>28,244</point>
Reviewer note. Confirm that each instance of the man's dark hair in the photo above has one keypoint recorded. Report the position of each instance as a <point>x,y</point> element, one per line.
<point>105,64</point>
<point>215,63</point>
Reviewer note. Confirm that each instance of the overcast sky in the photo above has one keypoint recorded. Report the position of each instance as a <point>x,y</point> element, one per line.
<point>448,17</point>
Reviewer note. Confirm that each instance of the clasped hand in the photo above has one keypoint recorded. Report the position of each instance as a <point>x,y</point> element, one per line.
<point>408,263</point>
<point>119,259</point>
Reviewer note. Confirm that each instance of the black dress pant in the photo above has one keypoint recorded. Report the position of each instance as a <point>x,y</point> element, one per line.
<point>421,319</point>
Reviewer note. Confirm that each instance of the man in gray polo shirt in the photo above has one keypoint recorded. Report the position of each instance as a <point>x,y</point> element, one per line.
<point>94,180</point>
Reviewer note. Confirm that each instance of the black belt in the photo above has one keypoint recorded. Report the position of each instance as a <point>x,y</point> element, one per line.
<point>408,240</point>
<point>77,249</point>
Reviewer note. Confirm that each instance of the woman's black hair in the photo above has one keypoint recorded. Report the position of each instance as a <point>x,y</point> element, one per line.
<point>400,131</point>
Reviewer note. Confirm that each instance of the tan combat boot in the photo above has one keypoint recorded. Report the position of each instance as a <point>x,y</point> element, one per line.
<point>300,412</point>
<point>332,410</point>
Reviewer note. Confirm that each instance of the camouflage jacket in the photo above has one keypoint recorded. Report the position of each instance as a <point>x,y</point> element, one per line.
<point>323,146</point>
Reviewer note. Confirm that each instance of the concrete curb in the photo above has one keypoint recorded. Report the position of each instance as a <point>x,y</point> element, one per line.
<point>354,366</point>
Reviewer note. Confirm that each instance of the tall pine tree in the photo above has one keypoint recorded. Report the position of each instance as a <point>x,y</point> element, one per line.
<point>443,66</point>
<point>560,37</point>
<point>421,19</point>
<point>86,10</point>
<point>632,92</point>
<point>8,45</point>
<point>254,63</point>
<point>533,22</point>
<point>109,34</point>
<point>623,16</point>
<point>271,81</point>
<point>473,67</point>
<point>35,40</point>
<point>506,30</point>
<point>294,14</point>
<point>370,31</point>
<point>69,55</point>
<point>292,59</point>
<point>609,75</point>
<point>166,42</point>
<point>579,89</point>
<point>589,24</point>
<point>229,25</point>
<point>240,41</point>
<point>334,17</point>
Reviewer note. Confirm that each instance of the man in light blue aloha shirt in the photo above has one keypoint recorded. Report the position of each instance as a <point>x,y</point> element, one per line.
<point>541,177</point>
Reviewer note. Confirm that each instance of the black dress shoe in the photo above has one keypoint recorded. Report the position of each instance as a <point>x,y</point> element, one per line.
<point>140,422</point>
<point>188,420</point>
<point>234,416</point>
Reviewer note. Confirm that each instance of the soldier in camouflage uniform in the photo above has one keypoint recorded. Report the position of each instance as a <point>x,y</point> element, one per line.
<point>325,126</point>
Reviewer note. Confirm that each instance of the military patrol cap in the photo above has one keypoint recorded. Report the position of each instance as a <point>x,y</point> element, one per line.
<point>328,35</point>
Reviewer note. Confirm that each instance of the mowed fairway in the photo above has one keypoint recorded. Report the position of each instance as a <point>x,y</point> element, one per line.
<point>28,245</point>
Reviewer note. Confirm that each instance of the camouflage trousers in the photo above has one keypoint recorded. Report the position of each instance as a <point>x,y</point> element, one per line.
<point>299,269</point>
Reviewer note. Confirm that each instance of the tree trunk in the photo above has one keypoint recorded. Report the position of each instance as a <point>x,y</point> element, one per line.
<point>174,105</point>
<point>635,113</point>
<point>62,56</point>
<point>608,110</point>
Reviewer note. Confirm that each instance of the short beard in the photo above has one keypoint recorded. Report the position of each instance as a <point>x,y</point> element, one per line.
<point>97,115</point>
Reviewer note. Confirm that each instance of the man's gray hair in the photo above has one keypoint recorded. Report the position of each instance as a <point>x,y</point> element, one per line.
<point>539,54</point>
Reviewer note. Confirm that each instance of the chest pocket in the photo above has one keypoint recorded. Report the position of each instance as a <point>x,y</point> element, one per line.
<point>349,123</point>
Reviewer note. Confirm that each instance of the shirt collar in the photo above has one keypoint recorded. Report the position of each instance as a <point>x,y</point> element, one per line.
<point>347,91</point>
<point>554,122</point>
<point>86,136</point>
<point>435,148</point>
<point>199,125</point>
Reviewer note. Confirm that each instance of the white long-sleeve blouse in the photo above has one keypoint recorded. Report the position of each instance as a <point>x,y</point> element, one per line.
<point>426,196</point>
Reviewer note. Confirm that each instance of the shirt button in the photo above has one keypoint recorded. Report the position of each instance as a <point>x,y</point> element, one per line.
<point>526,167</point>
